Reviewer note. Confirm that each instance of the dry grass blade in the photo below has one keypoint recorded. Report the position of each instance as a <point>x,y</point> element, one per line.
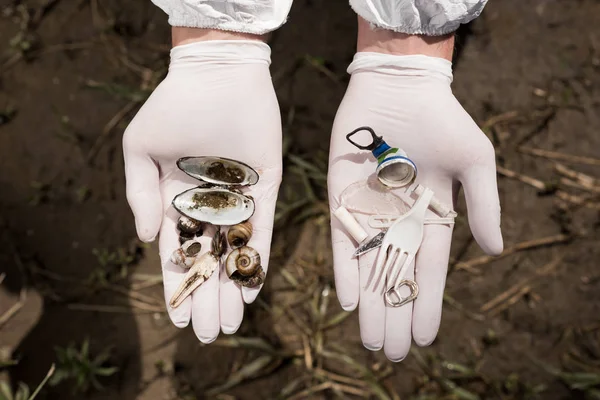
<point>553,155</point>
<point>254,343</point>
<point>536,183</point>
<point>370,379</point>
<point>526,245</point>
<point>518,288</point>
<point>336,320</point>
<point>497,119</point>
<point>456,305</point>
<point>108,308</point>
<point>14,309</point>
<point>108,128</point>
<point>588,202</point>
<point>584,179</point>
<point>248,371</point>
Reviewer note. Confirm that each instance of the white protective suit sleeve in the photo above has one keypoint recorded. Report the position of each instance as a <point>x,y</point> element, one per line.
<point>419,17</point>
<point>415,17</point>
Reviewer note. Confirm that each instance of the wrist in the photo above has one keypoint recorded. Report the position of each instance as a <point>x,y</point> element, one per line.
<point>378,40</point>
<point>184,35</point>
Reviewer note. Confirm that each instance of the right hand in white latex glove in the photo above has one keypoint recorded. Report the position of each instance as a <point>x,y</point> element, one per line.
<point>408,100</point>
<point>217,100</point>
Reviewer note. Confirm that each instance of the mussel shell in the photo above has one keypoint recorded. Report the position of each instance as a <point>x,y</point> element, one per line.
<point>188,225</point>
<point>218,170</point>
<point>215,205</point>
<point>239,235</point>
<point>244,261</point>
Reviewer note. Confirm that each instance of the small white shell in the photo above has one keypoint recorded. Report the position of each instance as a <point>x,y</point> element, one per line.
<point>215,205</point>
<point>185,256</point>
<point>218,170</point>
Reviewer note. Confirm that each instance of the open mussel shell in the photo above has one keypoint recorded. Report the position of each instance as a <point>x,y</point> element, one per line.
<point>218,170</point>
<point>215,205</point>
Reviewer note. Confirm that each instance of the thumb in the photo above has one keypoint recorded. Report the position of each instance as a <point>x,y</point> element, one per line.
<point>483,204</point>
<point>143,193</point>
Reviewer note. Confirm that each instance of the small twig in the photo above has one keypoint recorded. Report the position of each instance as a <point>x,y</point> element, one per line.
<point>14,308</point>
<point>526,245</point>
<point>504,117</point>
<point>459,307</point>
<point>540,272</point>
<point>561,194</point>
<point>577,185</point>
<point>584,179</point>
<point>553,155</point>
<point>511,301</point>
<point>105,308</point>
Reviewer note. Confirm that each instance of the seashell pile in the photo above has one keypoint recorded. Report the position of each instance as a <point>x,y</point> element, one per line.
<point>218,201</point>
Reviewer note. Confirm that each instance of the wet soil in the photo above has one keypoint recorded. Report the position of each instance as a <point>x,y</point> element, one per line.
<point>528,73</point>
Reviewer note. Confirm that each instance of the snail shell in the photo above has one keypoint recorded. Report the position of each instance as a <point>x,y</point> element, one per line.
<point>185,256</point>
<point>250,281</point>
<point>244,261</point>
<point>239,235</point>
<point>185,237</point>
<point>188,225</point>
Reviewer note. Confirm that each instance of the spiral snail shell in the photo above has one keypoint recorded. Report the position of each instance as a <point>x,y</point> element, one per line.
<point>243,260</point>
<point>239,235</point>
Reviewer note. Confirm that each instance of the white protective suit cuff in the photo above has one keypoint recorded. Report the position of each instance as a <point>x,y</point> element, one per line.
<point>418,17</point>
<point>223,52</point>
<point>236,16</point>
<point>414,65</point>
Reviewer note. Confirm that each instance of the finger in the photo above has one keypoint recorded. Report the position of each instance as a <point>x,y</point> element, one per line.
<point>173,274</point>
<point>483,204</point>
<point>430,272</point>
<point>143,193</point>
<point>345,266</point>
<point>265,198</point>
<point>231,304</point>
<point>398,324</point>
<point>371,309</point>
<point>205,300</point>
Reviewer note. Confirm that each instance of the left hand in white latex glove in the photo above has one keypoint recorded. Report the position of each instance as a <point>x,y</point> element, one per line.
<point>217,100</point>
<point>408,100</point>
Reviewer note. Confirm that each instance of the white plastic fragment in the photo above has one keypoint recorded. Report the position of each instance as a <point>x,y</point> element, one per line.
<point>385,221</point>
<point>351,224</point>
<point>440,208</point>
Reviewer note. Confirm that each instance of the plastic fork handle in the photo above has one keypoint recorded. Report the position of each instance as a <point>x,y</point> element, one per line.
<point>422,203</point>
<point>436,205</point>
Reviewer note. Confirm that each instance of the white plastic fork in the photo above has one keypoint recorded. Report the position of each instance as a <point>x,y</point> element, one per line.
<point>404,237</point>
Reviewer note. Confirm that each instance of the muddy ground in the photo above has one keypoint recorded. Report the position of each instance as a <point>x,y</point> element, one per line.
<point>73,73</point>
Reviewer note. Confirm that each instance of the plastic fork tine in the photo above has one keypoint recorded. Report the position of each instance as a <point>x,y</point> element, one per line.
<point>392,255</point>
<point>381,258</point>
<point>403,269</point>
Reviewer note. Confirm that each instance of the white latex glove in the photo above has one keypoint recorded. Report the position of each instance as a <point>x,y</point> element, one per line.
<point>408,100</point>
<point>217,100</point>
